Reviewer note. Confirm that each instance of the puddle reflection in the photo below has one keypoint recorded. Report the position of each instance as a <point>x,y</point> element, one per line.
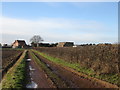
<point>31,68</point>
<point>28,60</point>
<point>32,85</point>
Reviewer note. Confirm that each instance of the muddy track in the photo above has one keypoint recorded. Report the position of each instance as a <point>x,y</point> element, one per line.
<point>36,74</point>
<point>73,79</point>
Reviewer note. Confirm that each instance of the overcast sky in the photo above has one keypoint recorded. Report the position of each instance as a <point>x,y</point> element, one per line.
<point>83,22</point>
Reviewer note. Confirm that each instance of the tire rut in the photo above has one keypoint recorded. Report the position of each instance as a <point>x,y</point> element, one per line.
<point>35,76</point>
<point>56,79</point>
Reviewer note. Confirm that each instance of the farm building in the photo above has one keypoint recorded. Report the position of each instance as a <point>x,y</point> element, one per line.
<point>44,45</point>
<point>40,44</point>
<point>19,44</point>
<point>65,44</point>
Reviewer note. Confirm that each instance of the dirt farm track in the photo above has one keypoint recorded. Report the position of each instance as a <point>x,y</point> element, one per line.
<point>39,72</point>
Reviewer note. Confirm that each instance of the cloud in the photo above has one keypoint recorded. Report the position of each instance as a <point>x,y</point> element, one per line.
<point>55,30</point>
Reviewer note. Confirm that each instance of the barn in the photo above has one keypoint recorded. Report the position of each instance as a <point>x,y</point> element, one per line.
<point>65,44</point>
<point>19,44</point>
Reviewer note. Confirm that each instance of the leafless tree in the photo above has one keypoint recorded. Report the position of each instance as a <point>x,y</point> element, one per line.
<point>36,39</point>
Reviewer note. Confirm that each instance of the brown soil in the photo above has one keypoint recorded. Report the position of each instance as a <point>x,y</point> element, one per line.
<point>38,75</point>
<point>9,62</point>
<point>74,79</point>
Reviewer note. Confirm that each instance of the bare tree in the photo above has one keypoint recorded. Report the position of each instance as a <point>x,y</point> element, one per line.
<point>36,39</point>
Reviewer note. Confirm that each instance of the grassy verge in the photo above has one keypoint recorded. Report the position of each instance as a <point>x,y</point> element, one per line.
<point>111,78</point>
<point>57,81</point>
<point>15,77</point>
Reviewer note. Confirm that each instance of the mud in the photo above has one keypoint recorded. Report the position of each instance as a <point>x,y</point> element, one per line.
<point>36,77</point>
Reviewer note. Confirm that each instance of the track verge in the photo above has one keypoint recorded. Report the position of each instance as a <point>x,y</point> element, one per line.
<point>14,78</point>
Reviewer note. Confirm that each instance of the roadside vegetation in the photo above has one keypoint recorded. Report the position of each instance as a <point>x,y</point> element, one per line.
<point>15,77</point>
<point>111,78</point>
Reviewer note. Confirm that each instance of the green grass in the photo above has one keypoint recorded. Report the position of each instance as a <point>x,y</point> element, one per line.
<point>51,75</point>
<point>16,75</point>
<point>111,78</point>
<point>74,66</point>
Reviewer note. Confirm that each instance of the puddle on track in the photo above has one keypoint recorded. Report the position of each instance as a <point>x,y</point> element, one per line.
<point>28,60</point>
<point>31,69</point>
<point>48,65</point>
<point>31,84</point>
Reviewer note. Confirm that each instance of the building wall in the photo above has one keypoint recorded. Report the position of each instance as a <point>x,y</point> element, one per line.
<point>65,44</point>
<point>61,44</point>
<point>15,45</point>
<point>68,44</point>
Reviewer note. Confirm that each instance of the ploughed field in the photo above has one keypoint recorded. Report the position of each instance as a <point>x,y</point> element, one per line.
<point>63,68</point>
<point>9,57</point>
